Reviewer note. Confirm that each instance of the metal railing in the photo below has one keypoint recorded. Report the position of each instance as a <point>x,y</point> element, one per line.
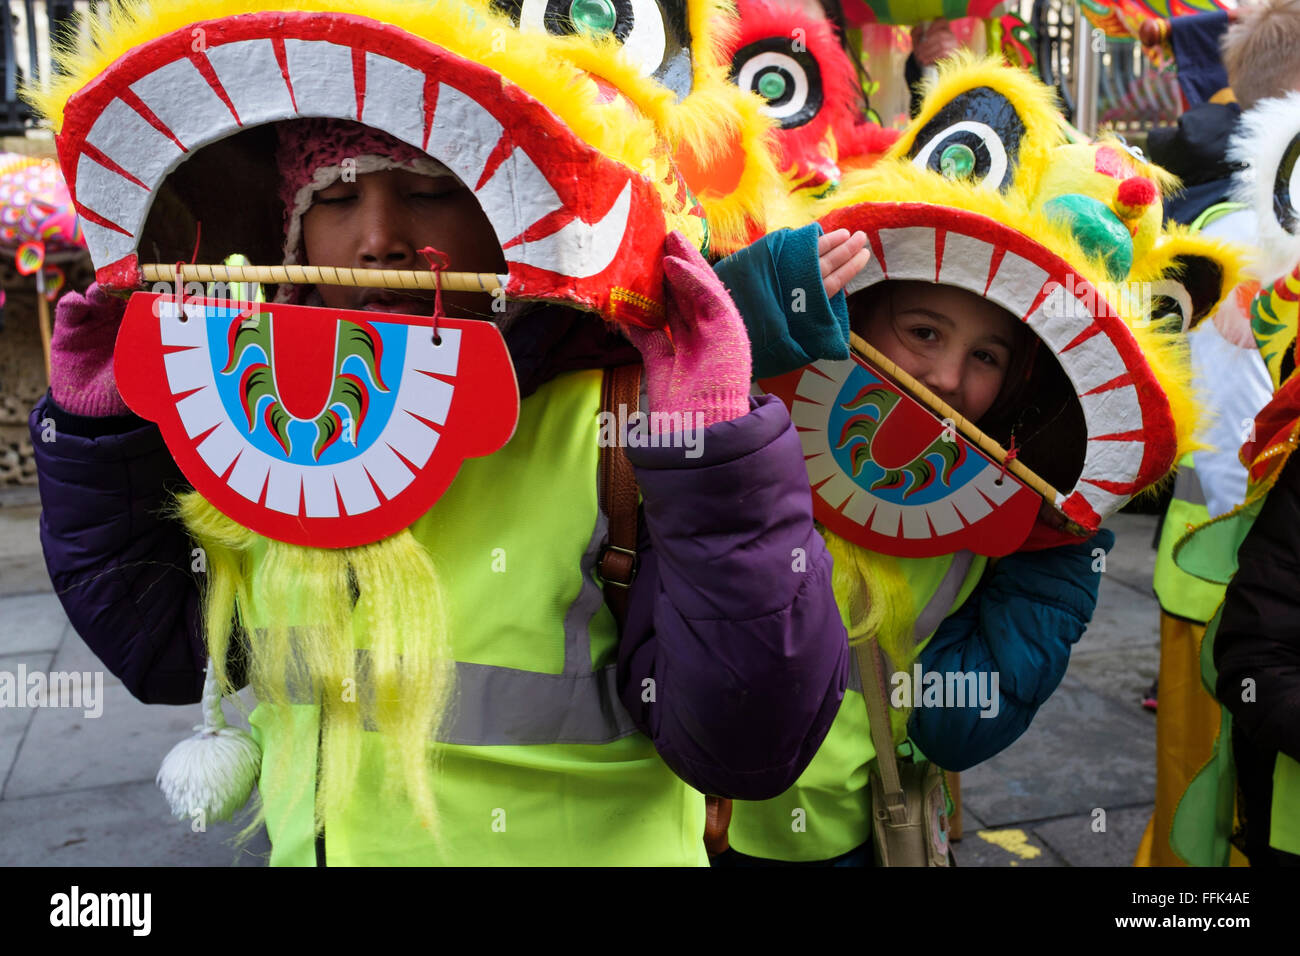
<point>1103,82</point>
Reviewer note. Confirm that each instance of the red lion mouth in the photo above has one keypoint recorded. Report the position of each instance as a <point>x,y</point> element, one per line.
<point>574,225</point>
<point>1130,430</point>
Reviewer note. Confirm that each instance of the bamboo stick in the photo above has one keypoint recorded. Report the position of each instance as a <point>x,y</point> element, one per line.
<point>327,275</point>
<point>954,788</point>
<point>43,318</point>
<point>944,410</point>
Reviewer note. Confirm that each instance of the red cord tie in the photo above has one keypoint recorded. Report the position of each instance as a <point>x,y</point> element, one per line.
<point>180,275</point>
<point>180,290</point>
<point>437,261</point>
<point>1008,459</point>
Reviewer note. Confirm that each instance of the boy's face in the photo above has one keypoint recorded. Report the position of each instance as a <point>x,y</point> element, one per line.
<point>382,220</point>
<point>954,342</point>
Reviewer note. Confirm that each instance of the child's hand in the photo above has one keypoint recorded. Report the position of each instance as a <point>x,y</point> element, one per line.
<point>705,366</point>
<point>842,256</point>
<point>81,353</point>
<point>933,40</point>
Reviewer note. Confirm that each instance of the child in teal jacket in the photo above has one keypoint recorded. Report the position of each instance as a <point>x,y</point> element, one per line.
<point>1014,619</point>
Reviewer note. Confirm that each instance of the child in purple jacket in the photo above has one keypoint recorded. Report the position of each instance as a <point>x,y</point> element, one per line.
<point>731,663</point>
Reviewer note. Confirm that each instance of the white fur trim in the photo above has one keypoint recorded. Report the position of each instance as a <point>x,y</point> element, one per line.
<point>1262,137</point>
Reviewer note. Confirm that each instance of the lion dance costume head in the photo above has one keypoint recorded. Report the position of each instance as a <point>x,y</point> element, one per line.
<point>1267,146</point>
<point>809,86</point>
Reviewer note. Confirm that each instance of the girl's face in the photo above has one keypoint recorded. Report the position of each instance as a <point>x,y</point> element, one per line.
<point>954,342</point>
<point>382,220</point>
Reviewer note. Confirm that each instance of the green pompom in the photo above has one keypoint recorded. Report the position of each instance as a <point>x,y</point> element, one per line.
<point>1097,229</point>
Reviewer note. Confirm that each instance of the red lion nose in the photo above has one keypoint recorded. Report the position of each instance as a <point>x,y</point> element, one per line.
<point>1134,196</point>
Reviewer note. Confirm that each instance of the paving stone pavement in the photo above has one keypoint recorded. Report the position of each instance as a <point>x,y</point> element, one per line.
<point>78,790</point>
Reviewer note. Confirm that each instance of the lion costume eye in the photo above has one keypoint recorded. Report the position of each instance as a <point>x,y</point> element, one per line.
<point>789,82</point>
<point>975,138</point>
<point>1286,187</point>
<point>1171,298</point>
<point>653,34</point>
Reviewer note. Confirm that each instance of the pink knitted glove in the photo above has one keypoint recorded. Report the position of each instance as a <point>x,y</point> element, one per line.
<point>81,353</point>
<point>705,366</point>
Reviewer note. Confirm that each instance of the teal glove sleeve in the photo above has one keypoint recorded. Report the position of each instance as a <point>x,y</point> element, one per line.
<point>776,284</point>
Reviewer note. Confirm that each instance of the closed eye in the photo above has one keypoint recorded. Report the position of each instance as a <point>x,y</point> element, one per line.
<point>322,199</point>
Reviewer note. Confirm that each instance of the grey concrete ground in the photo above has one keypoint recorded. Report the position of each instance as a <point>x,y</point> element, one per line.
<point>80,792</point>
<point>77,791</point>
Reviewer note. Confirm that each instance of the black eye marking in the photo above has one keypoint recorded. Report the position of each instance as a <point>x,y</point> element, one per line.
<point>789,81</point>
<point>975,137</point>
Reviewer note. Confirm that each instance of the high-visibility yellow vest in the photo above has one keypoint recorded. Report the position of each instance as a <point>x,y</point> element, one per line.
<point>828,810</point>
<point>1182,594</point>
<point>541,763</point>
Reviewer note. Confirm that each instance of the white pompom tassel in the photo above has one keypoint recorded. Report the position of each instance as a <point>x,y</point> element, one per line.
<point>213,772</point>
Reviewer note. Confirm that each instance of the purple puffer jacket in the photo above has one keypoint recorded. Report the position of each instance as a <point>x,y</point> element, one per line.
<point>732,611</point>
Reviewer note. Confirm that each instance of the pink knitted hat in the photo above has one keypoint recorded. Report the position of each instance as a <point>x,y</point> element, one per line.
<point>313,154</point>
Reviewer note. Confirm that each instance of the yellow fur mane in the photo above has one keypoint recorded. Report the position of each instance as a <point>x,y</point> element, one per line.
<point>553,69</point>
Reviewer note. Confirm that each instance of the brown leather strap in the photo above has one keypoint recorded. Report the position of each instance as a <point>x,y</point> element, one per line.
<point>871,674</point>
<point>616,482</point>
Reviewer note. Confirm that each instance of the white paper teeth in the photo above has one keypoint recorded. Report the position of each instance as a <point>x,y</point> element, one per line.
<point>1017,283</point>
<point>909,253</point>
<point>321,82</point>
<point>966,262</point>
<point>1112,412</point>
<point>321,76</point>
<point>250,75</point>
<point>130,141</point>
<point>400,110</point>
<point>183,101</point>
<point>586,249</point>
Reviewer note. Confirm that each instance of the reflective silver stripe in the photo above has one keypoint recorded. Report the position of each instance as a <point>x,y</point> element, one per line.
<point>577,619</point>
<point>498,706</point>
<point>1187,486</point>
<point>505,706</point>
<point>855,679</point>
<point>935,610</point>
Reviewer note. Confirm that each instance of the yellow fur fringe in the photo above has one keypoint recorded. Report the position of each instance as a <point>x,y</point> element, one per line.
<point>470,30</point>
<point>875,602</point>
<point>302,630</point>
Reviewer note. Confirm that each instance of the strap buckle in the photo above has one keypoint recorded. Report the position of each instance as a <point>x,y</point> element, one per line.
<point>624,572</point>
<point>896,807</point>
